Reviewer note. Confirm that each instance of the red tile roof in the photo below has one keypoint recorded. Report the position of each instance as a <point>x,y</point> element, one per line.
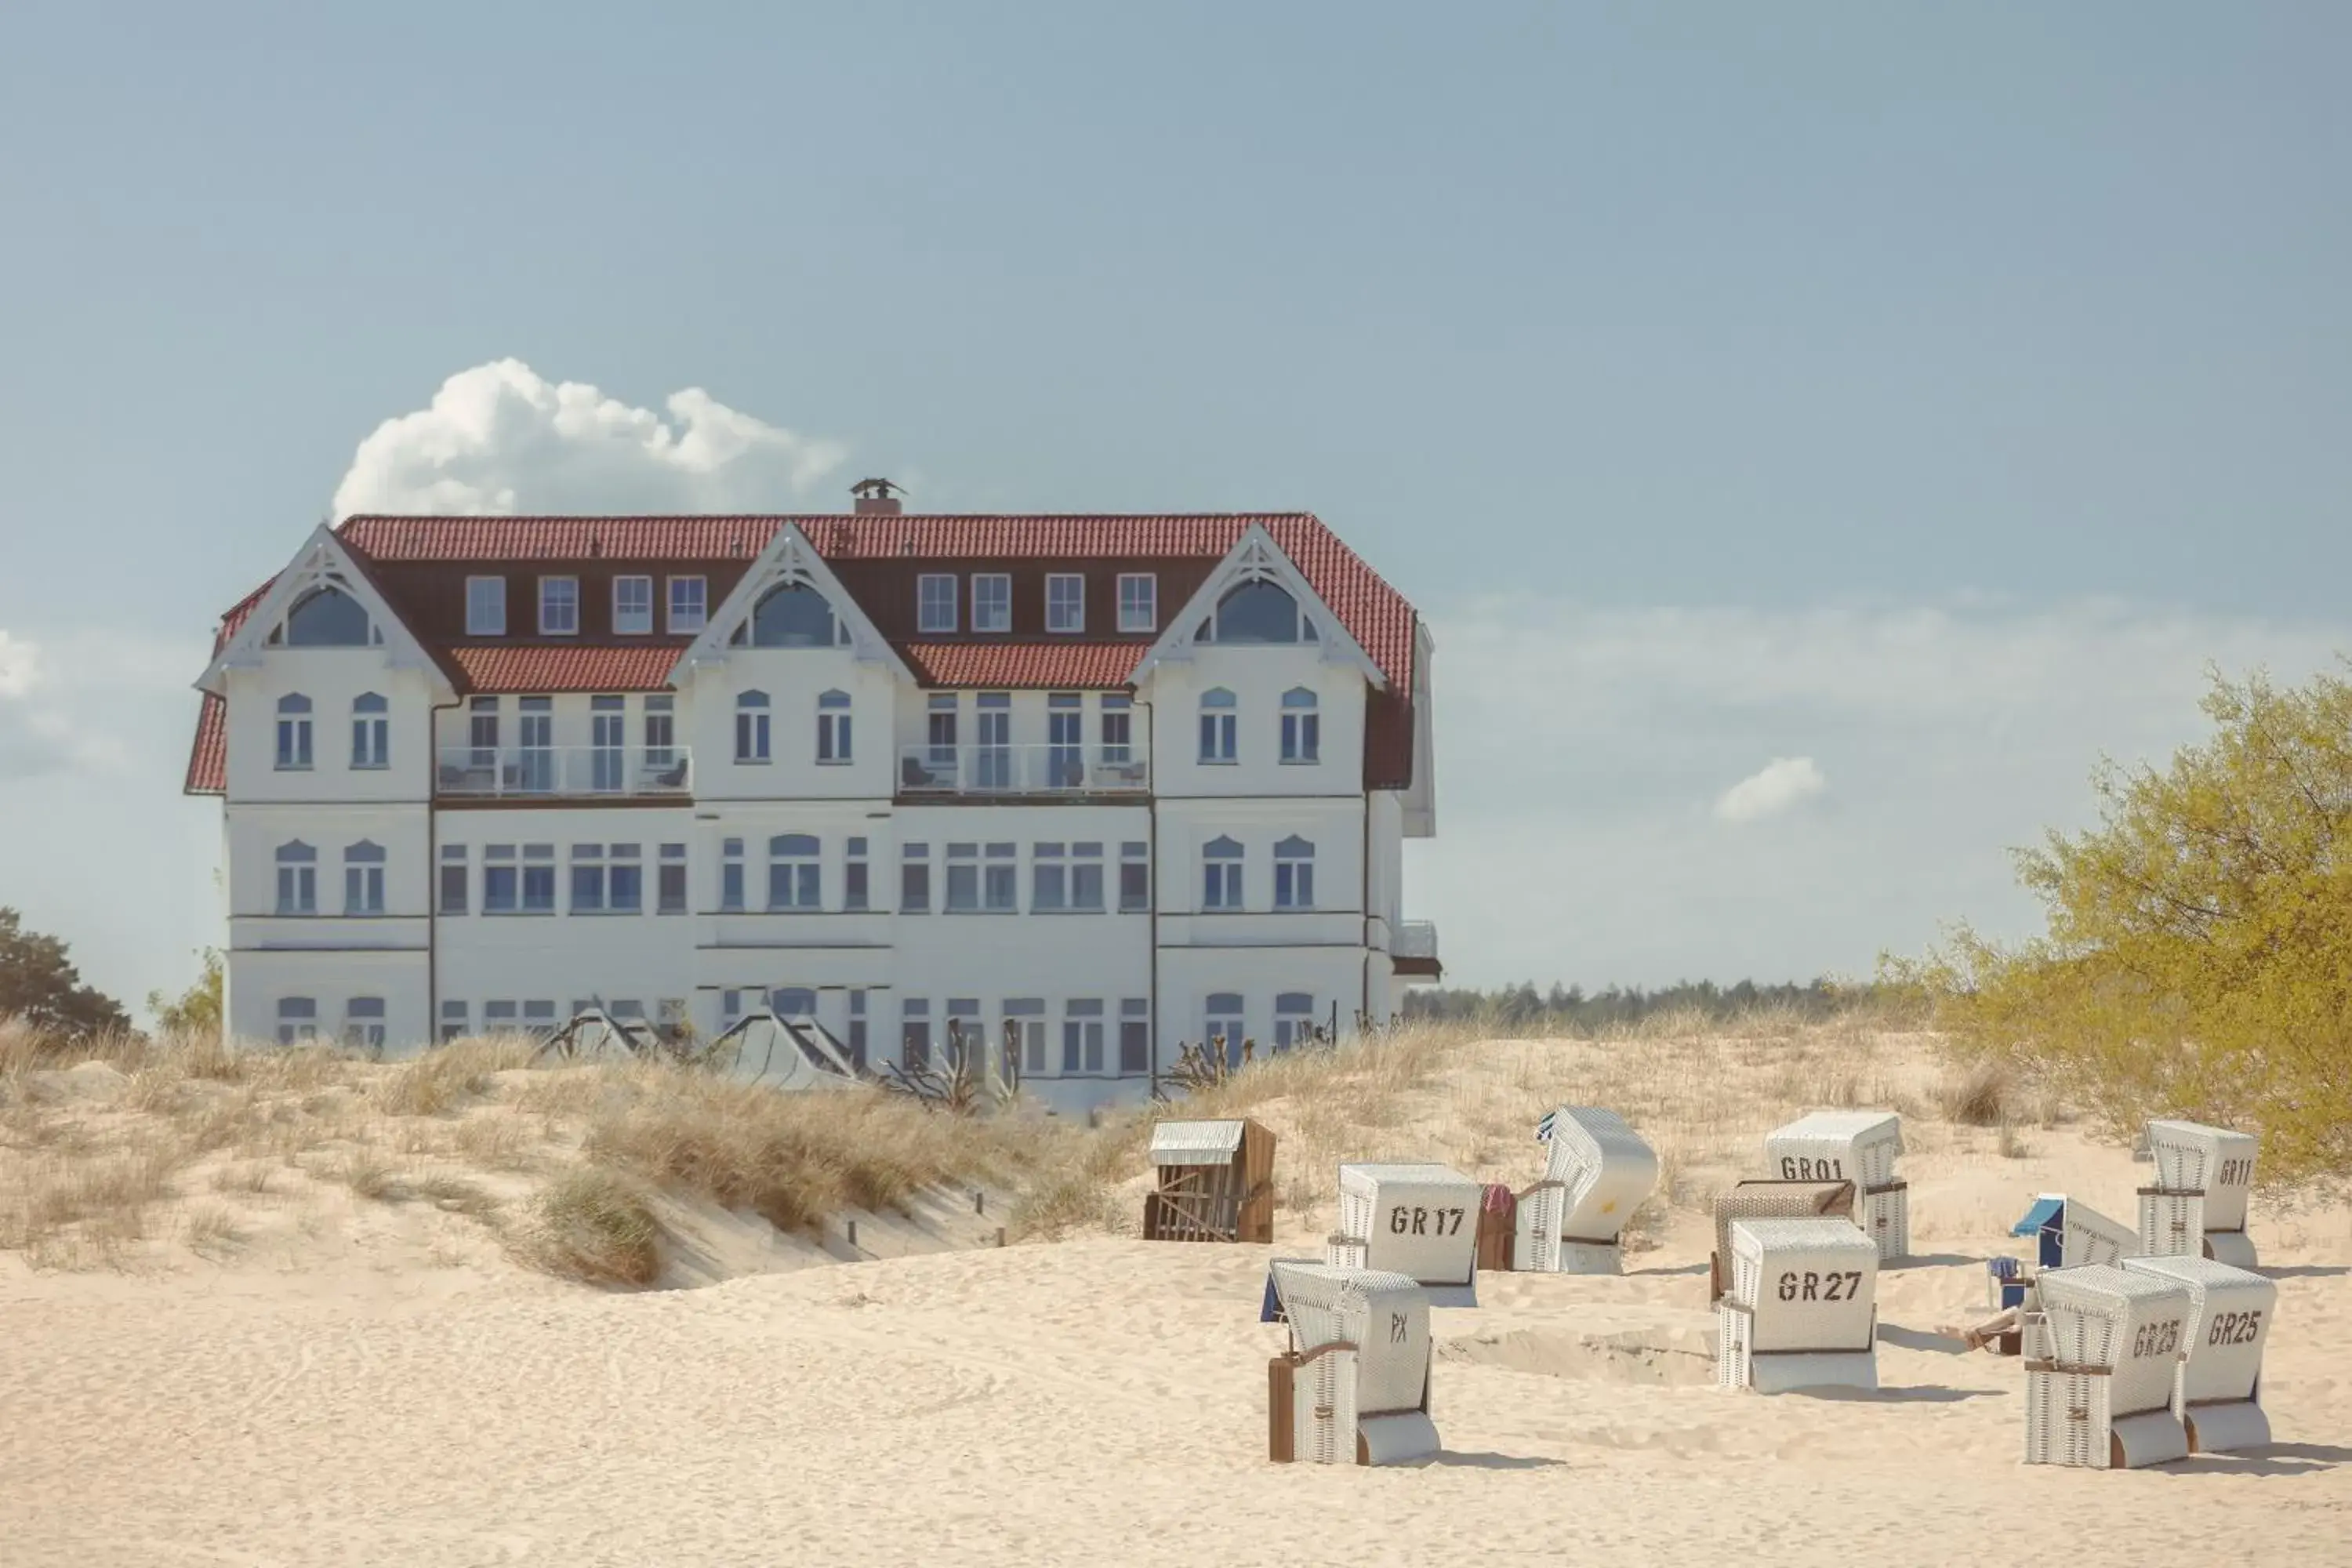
<point>208,754</point>
<point>494,667</point>
<point>1029,666</point>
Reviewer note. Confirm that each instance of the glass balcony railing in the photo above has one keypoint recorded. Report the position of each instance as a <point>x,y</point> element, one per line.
<point>1414,938</point>
<point>522,772</point>
<point>1022,770</point>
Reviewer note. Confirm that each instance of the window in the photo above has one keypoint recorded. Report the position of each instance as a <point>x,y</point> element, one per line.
<point>633,605</point>
<point>1224,1023</point>
<point>1217,725</point>
<point>730,876</point>
<point>940,732</point>
<point>328,618</point>
<point>624,878</point>
<point>935,608</point>
<point>453,1021</point>
<point>497,1018</point>
<point>689,604</point>
<point>669,892</point>
<point>485,606</point>
<point>1066,748</point>
<point>538,879</point>
<point>1294,1020</point>
<point>1065,601</point>
<point>993,743</point>
<point>1222,879</point>
<point>363,878</point>
<point>482,730</point>
<point>587,879</point>
<point>559,607</point>
<point>915,1034</point>
<point>539,1018</point>
<point>661,731</point>
<point>1293,874</point>
<point>832,727</point>
<point>793,879</point>
<point>794,616</point>
<point>731,1008</point>
<point>293,730</point>
<point>298,879</point>
<point>853,877</point>
<point>363,1023</point>
<point>1087,876</point>
<point>1302,727</point>
<point>991,602</point>
<point>963,879</point>
<point>371,739</point>
<point>535,743</point>
<point>454,879</point>
<point>914,878</point>
<point>1135,1035</point>
<point>1082,1036</point>
<point>857,1041</point>
<point>752,727</point>
<point>1024,1031</point>
<point>297,1019</point>
<point>1139,601</point>
<point>1049,879</point>
<point>1258,612</point>
<point>1118,730</point>
<point>1003,888</point>
<point>501,884</point>
<point>1134,877</point>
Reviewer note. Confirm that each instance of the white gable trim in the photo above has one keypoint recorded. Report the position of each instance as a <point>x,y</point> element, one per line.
<point>1255,556</point>
<point>789,558</point>
<point>323,561</point>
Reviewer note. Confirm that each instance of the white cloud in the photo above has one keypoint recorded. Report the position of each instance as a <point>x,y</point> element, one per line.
<point>499,438</point>
<point>1770,790</point>
<point>1581,755</point>
<point>20,666</point>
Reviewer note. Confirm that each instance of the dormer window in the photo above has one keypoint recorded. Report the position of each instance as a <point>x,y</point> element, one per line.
<point>991,602</point>
<point>935,601</point>
<point>633,606</point>
<point>1139,601</point>
<point>1065,601</point>
<point>485,606</point>
<point>689,604</point>
<point>559,607</point>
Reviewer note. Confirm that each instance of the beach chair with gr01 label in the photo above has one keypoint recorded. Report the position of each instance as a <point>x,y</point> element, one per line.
<point>1857,1146</point>
<point>2218,1399</point>
<point>2204,1176</point>
<point>1802,1310</point>
<point>2103,1349</point>
<point>1597,1172</point>
<point>1353,1387</point>
<point>1420,1221</point>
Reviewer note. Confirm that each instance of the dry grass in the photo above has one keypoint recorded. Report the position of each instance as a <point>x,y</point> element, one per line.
<point>595,1227</point>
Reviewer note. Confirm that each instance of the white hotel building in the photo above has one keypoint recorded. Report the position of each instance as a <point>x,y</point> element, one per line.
<point>1121,782</point>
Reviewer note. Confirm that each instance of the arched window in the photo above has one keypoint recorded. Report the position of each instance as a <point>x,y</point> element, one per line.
<point>1258,612</point>
<point>792,1001</point>
<point>794,616</point>
<point>328,618</point>
<point>793,876</point>
<point>1302,727</point>
<point>1220,874</point>
<point>1217,725</point>
<point>363,878</point>
<point>832,727</point>
<point>298,879</point>
<point>293,730</point>
<point>752,727</point>
<point>1223,1025</point>
<point>371,732</point>
<point>1293,874</point>
<point>1293,1019</point>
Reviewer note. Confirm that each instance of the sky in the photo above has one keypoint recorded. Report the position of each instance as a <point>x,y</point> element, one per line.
<point>1814,434</point>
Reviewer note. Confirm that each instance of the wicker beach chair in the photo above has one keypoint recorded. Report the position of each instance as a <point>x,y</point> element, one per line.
<point>2231,1310</point>
<point>1353,1388</point>
<point>1420,1221</point>
<point>1802,1307</point>
<point>1216,1183</point>
<point>2204,1176</point>
<point>1857,1146</point>
<point>1765,1198</point>
<point>2103,1353</point>
<point>1597,1172</point>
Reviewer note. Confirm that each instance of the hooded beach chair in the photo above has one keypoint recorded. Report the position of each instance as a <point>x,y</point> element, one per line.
<point>2231,1308</point>
<point>2204,1176</point>
<point>2103,1348</point>
<point>1353,1388</point>
<point>1765,1198</point>
<point>1216,1183</point>
<point>1802,1307</point>
<point>1420,1221</point>
<point>2066,1234</point>
<point>1857,1146</point>
<point>1597,1172</point>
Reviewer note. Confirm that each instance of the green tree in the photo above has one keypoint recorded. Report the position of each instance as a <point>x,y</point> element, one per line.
<point>2199,955</point>
<point>37,983</point>
<point>197,1013</point>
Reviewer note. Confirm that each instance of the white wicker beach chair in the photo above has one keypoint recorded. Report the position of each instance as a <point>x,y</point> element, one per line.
<point>1420,1221</point>
<point>2231,1310</point>
<point>1597,1172</point>
<point>1354,1386</point>
<point>1857,1146</point>
<point>2198,1206</point>
<point>2104,1348</point>
<point>1216,1182</point>
<point>1802,1307</point>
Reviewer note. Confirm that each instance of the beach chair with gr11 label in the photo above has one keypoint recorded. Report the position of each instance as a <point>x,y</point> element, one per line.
<point>1802,1310</point>
<point>1597,1172</point>
<point>2220,1382</point>
<point>1420,1221</point>
<point>1216,1183</point>
<point>1353,1388</point>
<point>2197,1209</point>
<point>2103,1350</point>
<point>1857,1146</point>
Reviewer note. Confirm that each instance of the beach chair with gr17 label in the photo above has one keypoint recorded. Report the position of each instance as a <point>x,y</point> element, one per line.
<point>2197,1209</point>
<point>2103,1348</point>
<point>2220,1382</point>
<point>1857,1146</point>
<point>1420,1221</point>
<point>1597,1172</point>
<point>1353,1388</point>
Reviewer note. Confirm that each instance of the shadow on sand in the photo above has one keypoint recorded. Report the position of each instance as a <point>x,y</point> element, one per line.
<point>1923,1394</point>
<point>2270,1460</point>
<point>1919,1339</point>
<point>2306,1271</point>
<point>1490,1461</point>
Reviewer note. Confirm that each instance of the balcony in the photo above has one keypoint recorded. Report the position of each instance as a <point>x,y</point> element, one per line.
<point>555,773</point>
<point>1075,770</point>
<point>1412,950</point>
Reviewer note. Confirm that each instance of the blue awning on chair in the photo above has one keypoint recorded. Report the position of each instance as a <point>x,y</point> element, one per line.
<point>2044,1213</point>
<point>1270,1309</point>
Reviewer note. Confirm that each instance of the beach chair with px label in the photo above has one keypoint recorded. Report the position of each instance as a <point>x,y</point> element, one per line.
<point>1216,1183</point>
<point>1802,1309</point>
<point>1353,1387</point>
<point>1597,1172</point>
<point>1857,1146</point>
<point>2204,1176</point>
<point>2103,1348</point>
<point>2220,1393</point>
<point>1420,1221</point>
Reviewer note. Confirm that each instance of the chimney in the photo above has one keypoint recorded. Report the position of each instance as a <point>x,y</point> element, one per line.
<point>875,498</point>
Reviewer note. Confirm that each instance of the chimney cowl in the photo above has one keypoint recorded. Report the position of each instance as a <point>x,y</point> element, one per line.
<point>876,497</point>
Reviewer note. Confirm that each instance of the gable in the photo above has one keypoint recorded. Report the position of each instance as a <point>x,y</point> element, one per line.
<point>324,597</point>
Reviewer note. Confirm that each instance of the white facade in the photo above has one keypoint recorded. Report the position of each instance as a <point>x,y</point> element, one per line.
<point>793,824</point>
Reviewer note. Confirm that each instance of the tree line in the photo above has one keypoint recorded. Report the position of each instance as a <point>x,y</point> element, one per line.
<point>1572,1010</point>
